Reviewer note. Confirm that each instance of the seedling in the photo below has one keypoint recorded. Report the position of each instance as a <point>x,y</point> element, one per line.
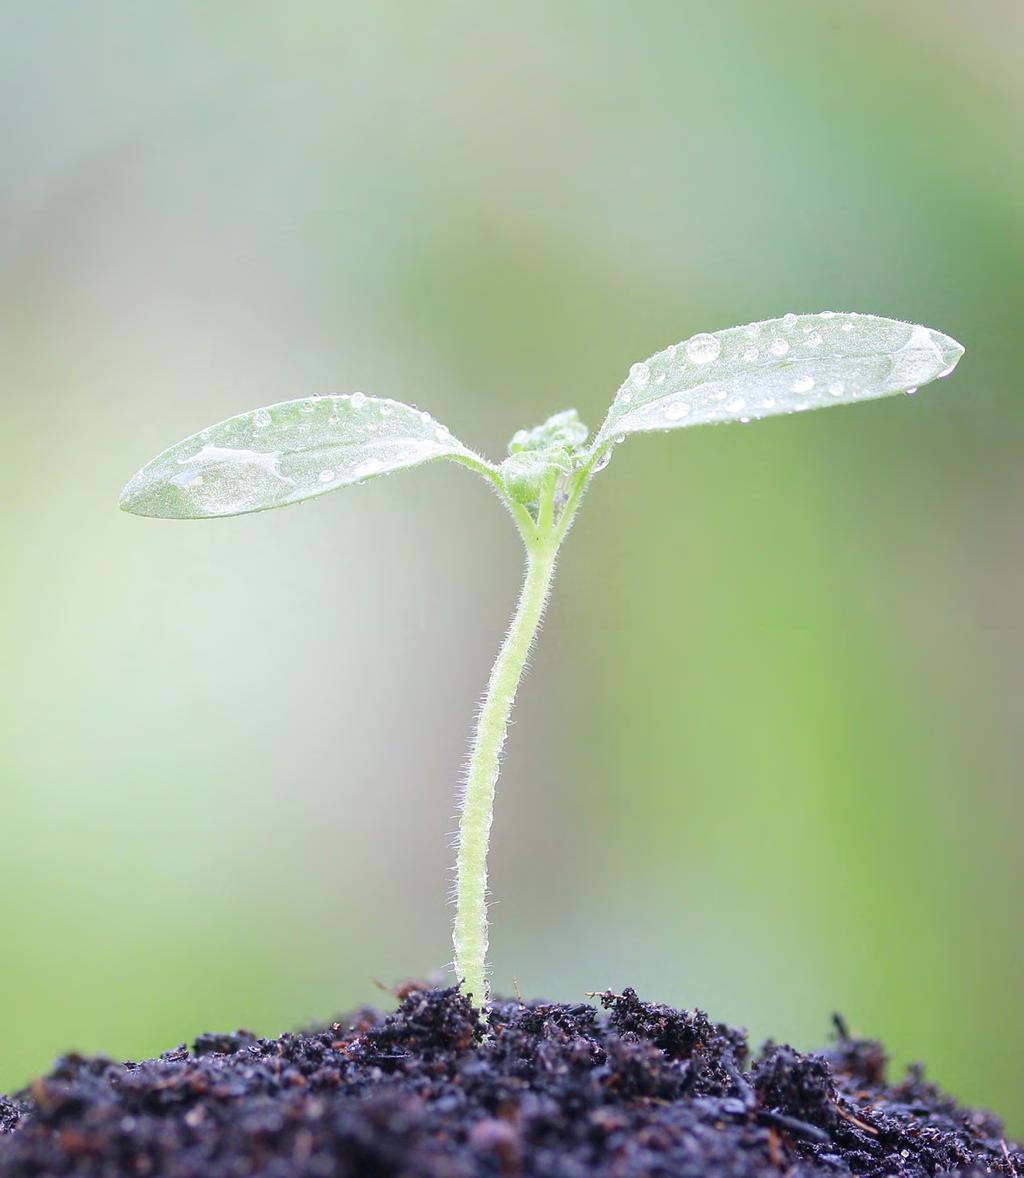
<point>299,449</point>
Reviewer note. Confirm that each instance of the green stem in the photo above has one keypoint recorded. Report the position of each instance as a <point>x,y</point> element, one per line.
<point>470,935</point>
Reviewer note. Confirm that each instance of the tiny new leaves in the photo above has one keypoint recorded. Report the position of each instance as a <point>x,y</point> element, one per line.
<point>287,453</point>
<point>779,366</point>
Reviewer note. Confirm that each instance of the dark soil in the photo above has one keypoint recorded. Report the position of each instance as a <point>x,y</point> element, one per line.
<point>551,1090</point>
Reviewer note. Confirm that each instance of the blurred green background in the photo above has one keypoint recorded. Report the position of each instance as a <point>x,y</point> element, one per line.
<point>768,758</point>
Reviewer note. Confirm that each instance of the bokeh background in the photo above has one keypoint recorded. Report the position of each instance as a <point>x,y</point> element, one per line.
<point>768,760</point>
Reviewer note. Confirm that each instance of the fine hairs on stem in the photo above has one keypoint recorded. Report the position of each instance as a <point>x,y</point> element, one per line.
<point>297,450</point>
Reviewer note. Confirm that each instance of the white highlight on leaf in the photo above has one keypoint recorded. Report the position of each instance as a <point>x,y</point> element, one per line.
<point>270,462</point>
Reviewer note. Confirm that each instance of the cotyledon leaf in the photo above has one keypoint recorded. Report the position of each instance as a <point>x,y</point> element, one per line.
<point>287,453</point>
<point>777,366</point>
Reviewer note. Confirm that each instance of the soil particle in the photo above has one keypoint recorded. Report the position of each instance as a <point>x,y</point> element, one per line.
<point>546,1090</point>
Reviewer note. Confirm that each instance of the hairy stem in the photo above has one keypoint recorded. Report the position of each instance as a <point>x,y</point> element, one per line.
<point>470,935</point>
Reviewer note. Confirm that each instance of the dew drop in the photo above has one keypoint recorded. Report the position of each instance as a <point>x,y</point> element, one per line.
<point>625,396</point>
<point>837,388</point>
<point>752,330</point>
<point>261,418</point>
<point>719,395</point>
<point>803,384</point>
<point>847,327</point>
<point>424,417</point>
<point>911,392</point>
<point>603,461</point>
<point>703,348</point>
<point>815,339</point>
<point>779,347</point>
<point>768,403</point>
<point>789,319</point>
<point>659,378</point>
<point>327,476</point>
<point>676,411</point>
<point>750,354</point>
<point>827,315</point>
<point>620,439</point>
<point>357,400</point>
<point>368,467</point>
<point>385,410</point>
<point>736,406</point>
<point>640,375</point>
<point>744,421</point>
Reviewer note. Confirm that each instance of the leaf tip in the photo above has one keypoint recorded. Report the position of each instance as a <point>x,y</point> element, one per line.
<point>952,351</point>
<point>127,500</point>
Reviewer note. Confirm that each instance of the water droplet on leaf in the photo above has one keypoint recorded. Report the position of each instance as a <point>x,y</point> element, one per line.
<point>803,384</point>
<point>603,461</point>
<point>676,411</point>
<point>640,375</point>
<point>779,347</point>
<point>703,348</point>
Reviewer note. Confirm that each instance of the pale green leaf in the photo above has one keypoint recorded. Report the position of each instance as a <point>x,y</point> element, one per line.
<point>778,366</point>
<point>287,453</point>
